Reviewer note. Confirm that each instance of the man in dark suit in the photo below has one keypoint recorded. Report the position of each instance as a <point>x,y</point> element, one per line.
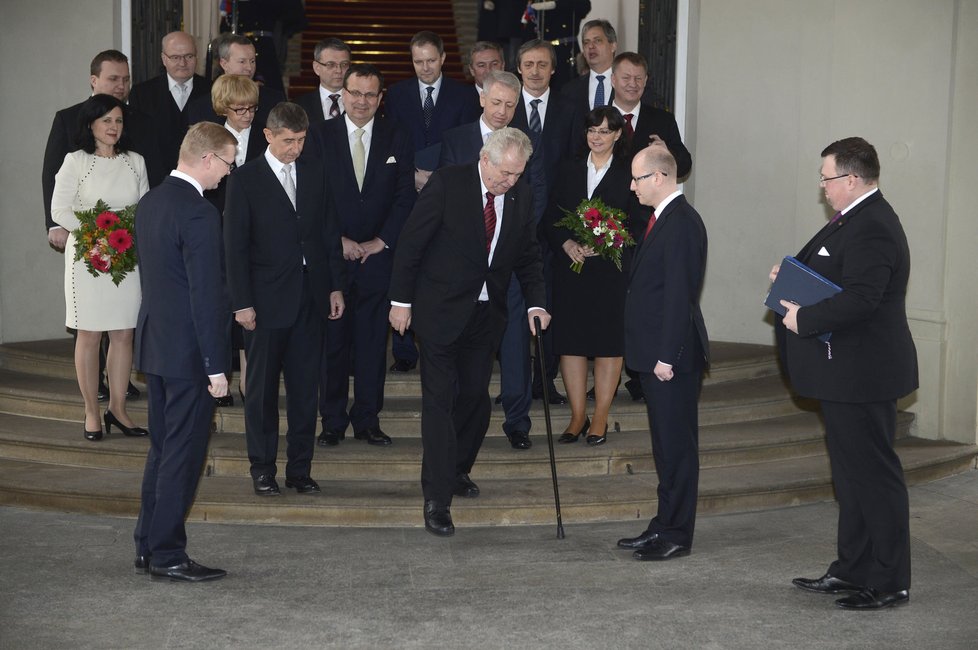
<point>330,61</point>
<point>236,55</point>
<point>628,76</point>
<point>164,98</point>
<point>285,271</point>
<point>461,145</point>
<point>599,44</point>
<point>470,230</point>
<point>371,181</point>
<point>484,57</point>
<point>109,75</point>
<point>181,346</point>
<point>666,342</point>
<point>857,375</point>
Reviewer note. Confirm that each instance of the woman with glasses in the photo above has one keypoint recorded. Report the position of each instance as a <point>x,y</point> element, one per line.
<point>101,169</point>
<point>235,98</point>
<point>588,307</point>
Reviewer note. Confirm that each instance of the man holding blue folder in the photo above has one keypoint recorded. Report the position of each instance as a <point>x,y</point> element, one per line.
<point>872,362</point>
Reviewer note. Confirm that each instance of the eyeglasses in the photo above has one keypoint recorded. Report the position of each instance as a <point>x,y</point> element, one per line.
<point>822,179</point>
<point>186,58</point>
<point>356,94</point>
<point>596,131</point>
<point>231,165</point>
<point>244,110</point>
<point>642,178</point>
<point>333,65</point>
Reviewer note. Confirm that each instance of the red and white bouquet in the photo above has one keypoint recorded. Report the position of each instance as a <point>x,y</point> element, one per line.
<point>104,240</point>
<point>600,227</point>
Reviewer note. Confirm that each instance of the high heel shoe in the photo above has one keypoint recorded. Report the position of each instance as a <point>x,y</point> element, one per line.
<point>94,436</point>
<point>567,437</point>
<point>133,432</point>
<point>594,441</point>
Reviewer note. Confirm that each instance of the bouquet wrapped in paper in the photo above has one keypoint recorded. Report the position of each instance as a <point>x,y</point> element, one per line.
<point>600,227</point>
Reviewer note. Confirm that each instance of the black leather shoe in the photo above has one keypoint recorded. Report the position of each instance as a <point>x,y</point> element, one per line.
<point>520,440</point>
<point>556,399</point>
<point>643,540</point>
<point>567,437</point>
<point>132,392</point>
<point>103,391</point>
<point>188,571</point>
<point>330,438</point>
<point>224,402</point>
<point>373,436</point>
<point>590,395</point>
<point>827,584</point>
<point>266,486</point>
<point>659,549</point>
<point>594,440</point>
<point>438,519</point>
<point>634,389</point>
<point>112,421</point>
<point>465,487</point>
<point>400,365</point>
<point>141,564</point>
<point>870,598</point>
<point>498,400</point>
<point>302,485</point>
<point>94,436</point>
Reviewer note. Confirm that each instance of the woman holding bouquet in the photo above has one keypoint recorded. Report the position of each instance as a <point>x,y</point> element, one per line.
<point>589,303</point>
<point>101,169</point>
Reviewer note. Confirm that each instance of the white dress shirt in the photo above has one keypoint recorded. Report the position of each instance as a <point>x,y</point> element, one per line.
<point>241,149</point>
<point>592,87</point>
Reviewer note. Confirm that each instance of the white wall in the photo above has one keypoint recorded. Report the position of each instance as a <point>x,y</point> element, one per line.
<point>48,46</point>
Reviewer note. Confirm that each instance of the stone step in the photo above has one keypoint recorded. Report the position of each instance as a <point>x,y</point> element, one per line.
<point>503,501</point>
<point>726,402</point>
<point>799,435</point>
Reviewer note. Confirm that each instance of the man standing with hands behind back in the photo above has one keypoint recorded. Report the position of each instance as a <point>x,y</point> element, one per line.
<point>869,361</point>
<point>181,346</point>
<point>666,342</point>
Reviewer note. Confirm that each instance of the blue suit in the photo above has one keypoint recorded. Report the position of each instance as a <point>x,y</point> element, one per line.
<point>456,105</point>
<point>181,338</point>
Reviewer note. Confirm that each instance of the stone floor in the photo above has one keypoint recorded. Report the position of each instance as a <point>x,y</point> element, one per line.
<point>66,582</point>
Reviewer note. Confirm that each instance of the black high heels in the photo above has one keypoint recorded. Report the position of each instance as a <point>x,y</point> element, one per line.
<point>567,437</point>
<point>94,436</point>
<point>595,440</point>
<point>133,432</point>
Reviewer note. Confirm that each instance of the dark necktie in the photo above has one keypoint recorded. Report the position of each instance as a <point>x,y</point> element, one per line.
<point>648,228</point>
<point>628,124</point>
<point>429,107</point>
<point>334,108</point>
<point>835,217</point>
<point>535,125</point>
<point>599,93</point>
<point>489,214</point>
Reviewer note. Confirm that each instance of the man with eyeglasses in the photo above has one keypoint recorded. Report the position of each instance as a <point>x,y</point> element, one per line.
<point>165,98</point>
<point>869,362</point>
<point>330,61</point>
<point>666,342</point>
<point>371,177</point>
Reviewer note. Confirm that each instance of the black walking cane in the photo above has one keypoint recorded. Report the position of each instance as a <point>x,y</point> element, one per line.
<point>546,416</point>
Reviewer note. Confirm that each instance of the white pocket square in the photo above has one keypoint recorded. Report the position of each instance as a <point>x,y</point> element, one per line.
<point>822,252</point>
<point>391,160</point>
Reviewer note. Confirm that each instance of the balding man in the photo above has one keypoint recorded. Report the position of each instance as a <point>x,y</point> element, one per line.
<point>165,98</point>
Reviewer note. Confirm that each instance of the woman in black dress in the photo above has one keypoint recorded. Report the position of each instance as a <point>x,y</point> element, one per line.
<point>589,307</point>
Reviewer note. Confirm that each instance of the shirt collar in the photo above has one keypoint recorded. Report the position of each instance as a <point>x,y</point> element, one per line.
<point>173,83</point>
<point>437,85</point>
<point>527,97</point>
<point>860,200</point>
<point>665,202</point>
<point>237,134</point>
<point>634,112</point>
<point>351,127</point>
<point>607,164</point>
<point>606,74</point>
<point>484,129</point>
<point>275,163</point>
<point>176,173</point>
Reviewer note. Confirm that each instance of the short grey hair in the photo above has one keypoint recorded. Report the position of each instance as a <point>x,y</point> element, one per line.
<point>504,139</point>
<point>225,41</point>
<point>507,79</point>
<point>286,115</point>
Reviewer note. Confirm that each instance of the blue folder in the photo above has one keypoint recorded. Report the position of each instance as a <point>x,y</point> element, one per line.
<point>799,284</point>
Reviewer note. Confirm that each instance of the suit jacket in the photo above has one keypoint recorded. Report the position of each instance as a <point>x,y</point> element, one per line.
<point>311,103</point>
<point>663,321</point>
<point>202,109</point>
<point>62,140</point>
<point>575,93</point>
<point>181,331</point>
<point>652,120</point>
<point>153,98</point>
<point>266,241</point>
<point>456,105</point>
<point>441,263</point>
<point>554,140</point>
<point>382,206</point>
<point>873,354</point>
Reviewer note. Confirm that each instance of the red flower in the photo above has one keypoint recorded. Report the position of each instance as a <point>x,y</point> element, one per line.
<point>120,240</point>
<point>106,220</point>
<point>98,262</point>
<point>592,214</point>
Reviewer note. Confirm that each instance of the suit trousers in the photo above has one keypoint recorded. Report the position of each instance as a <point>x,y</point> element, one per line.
<point>874,509</point>
<point>455,404</point>
<point>180,414</point>
<point>674,423</point>
<point>514,363</point>
<point>360,337</point>
<point>294,352</point>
